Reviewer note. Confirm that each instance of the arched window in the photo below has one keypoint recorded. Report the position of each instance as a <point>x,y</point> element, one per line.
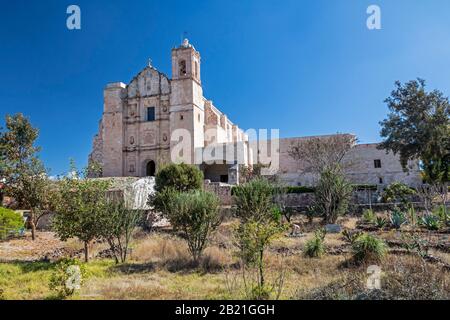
<point>150,169</point>
<point>182,67</point>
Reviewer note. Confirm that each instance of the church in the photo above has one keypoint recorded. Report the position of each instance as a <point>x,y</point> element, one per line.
<point>154,120</point>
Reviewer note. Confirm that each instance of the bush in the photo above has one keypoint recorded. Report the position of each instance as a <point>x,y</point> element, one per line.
<point>254,200</point>
<point>332,195</point>
<point>367,248</point>
<point>67,277</point>
<point>315,247</point>
<point>181,177</point>
<point>397,219</point>
<point>117,225</point>
<point>398,192</point>
<point>10,222</point>
<point>196,214</point>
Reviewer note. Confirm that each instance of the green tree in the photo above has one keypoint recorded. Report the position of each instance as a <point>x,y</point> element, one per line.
<point>254,200</point>
<point>196,214</point>
<point>117,225</point>
<point>418,128</point>
<point>332,194</point>
<point>260,223</point>
<point>80,208</point>
<point>26,178</point>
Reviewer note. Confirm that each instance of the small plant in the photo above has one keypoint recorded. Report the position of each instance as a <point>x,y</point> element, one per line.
<point>368,216</point>
<point>397,219</point>
<point>315,247</point>
<point>431,222</point>
<point>367,248</point>
<point>67,277</point>
<point>380,222</point>
<point>351,236</point>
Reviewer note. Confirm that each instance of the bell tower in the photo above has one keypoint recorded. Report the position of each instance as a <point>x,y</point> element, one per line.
<point>186,62</point>
<point>187,104</point>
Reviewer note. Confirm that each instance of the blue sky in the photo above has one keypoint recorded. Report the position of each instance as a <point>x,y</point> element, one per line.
<point>305,67</point>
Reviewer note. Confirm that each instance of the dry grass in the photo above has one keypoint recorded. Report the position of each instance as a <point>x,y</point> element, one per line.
<point>161,267</point>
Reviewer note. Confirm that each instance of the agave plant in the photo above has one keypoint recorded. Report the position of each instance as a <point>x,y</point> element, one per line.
<point>380,222</point>
<point>368,216</point>
<point>397,219</point>
<point>431,222</point>
<point>315,247</point>
<point>351,236</point>
<point>441,213</point>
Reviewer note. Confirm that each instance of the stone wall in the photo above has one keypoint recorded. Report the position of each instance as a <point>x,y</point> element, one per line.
<point>222,190</point>
<point>359,166</point>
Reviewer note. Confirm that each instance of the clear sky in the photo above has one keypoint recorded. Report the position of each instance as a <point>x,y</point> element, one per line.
<point>306,67</point>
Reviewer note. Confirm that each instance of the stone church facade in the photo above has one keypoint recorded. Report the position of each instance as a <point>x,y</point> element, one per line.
<point>154,120</point>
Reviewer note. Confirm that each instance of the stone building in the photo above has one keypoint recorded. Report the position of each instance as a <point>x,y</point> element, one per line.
<point>364,164</point>
<point>154,120</point>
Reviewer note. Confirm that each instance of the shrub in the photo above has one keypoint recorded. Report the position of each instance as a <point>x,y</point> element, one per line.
<point>398,192</point>
<point>368,216</point>
<point>431,222</point>
<point>252,238</point>
<point>315,247</point>
<point>118,223</point>
<point>196,214</point>
<point>67,277</point>
<point>332,195</point>
<point>367,248</point>
<point>10,221</point>
<point>181,177</point>
<point>254,200</point>
<point>397,219</point>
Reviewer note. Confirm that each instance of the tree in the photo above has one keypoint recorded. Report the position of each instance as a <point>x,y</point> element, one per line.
<point>260,224</point>
<point>418,127</point>
<point>182,177</point>
<point>26,178</point>
<point>322,153</point>
<point>177,177</point>
<point>332,194</point>
<point>196,213</point>
<point>117,225</point>
<point>254,200</point>
<point>80,208</point>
